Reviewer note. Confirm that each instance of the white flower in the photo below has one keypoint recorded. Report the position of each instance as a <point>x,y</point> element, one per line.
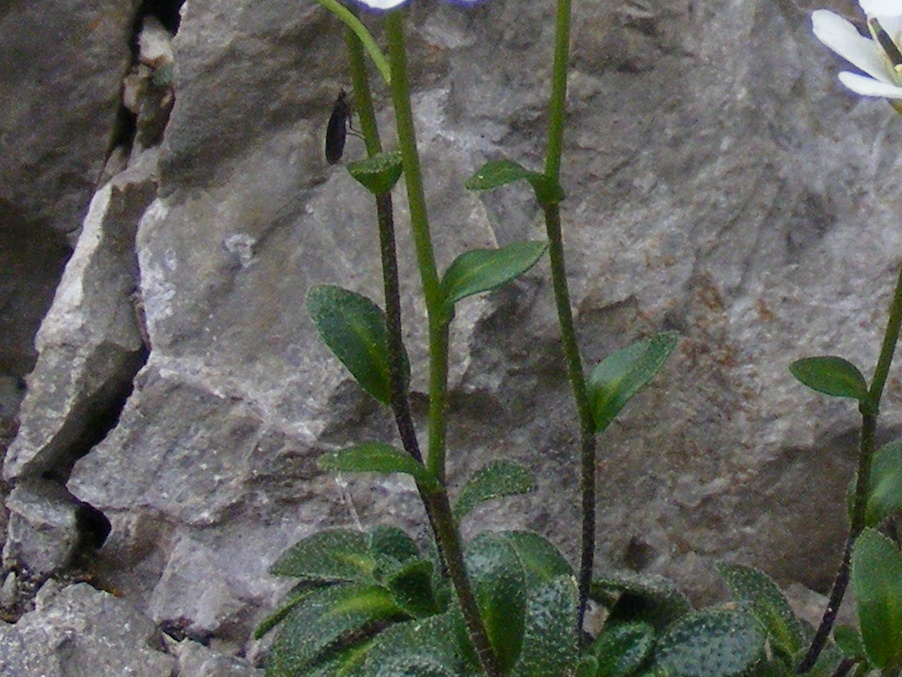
<point>383,5</point>
<point>879,55</point>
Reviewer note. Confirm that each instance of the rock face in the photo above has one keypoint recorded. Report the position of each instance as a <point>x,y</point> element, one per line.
<point>719,183</point>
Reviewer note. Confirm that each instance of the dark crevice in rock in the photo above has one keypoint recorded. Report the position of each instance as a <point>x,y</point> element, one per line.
<point>168,12</point>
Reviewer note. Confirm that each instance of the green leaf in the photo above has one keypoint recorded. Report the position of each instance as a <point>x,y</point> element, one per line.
<point>848,641</point>
<point>326,618</point>
<point>481,270</point>
<point>378,457</point>
<point>378,173</point>
<point>885,491</point>
<point>762,598</point>
<point>587,667</point>
<point>620,376</point>
<point>411,588</point>
<point>391,548</point>
<point>327,556</point>
<point>711,644</point>
<point>550,645</point>
<point>354,329</point>
<point>277,616</point>
<point>832,376</point>
<point>621,649</point>
<point>540,560</point>
<point>498,584</point>
<point>877,581</point>
<point>634,598</point>
<point>501,172</point>
<point>419,648</point>
<point>494,480</point>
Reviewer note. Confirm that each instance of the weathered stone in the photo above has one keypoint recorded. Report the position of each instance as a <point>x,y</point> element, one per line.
<point>42,534</point>
<point>90,343</point>
<point>196,660</point>
<point>78,631</point>
<point>735,194</point>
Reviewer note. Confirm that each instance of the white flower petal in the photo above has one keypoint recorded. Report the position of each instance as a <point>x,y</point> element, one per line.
<point>881,8</point>
<point>870,87</point>
<point>381,5</point>
<point>841,36</point>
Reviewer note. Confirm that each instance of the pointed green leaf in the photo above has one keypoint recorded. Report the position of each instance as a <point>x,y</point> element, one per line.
<point>848,641</point>
<point>498,584</point>
<point>877,581</point>
<point>327,556</point>
<point>540,560</point>
<point>620,376</point>
<point>411,588</point>
<point>762,598</point>
<point>285,606</point>
<point>354,329</point>
<point>481,270</point>
<point>378,173</point>
<point>633,598</point>
<point>832,376</point>
<point>494,480</point>
<point>550,642</point>
<point>326,617</point>
<point>711,644</point>
<point>391,548</point>
<point>378,457</point>
<point>885,492</point>
<point>421,648</point>
<point>620,649</point>
<point>500,172</point>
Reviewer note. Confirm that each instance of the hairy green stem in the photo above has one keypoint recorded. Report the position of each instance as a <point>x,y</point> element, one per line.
<point>556,118</point>
<point>584,408</point>
<point>437,503</point>
<point>870,410</point>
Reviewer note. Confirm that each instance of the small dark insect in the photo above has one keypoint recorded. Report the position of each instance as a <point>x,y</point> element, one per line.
<point>337,129</point>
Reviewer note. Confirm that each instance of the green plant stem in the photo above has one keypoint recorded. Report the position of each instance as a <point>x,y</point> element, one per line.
<point>870,410</point>
<point>584,408</point>
<point>556,118</point>
<point>432,291</point>
<point>351,21</point>
<point>437,504</point>
<point>557,106</point>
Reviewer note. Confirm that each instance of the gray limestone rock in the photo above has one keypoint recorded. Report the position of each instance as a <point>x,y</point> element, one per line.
<point>78,631</point>
<point>718,182</point>
<point>61,68</point>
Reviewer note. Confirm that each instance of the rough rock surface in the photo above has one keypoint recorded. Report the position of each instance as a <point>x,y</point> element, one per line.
<point>719,182</point>
<point>78,631</point>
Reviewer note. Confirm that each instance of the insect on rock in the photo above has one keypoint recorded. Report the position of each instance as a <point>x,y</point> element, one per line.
<point>337,129</point>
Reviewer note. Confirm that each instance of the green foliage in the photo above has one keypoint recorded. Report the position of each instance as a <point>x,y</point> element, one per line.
<point>762,598</point>
<point>711,644</point>
<point>635,598</point>
<point>621,649</point>
<point>494,480</point>
<point>848,641</point>
<point>831,375</point>
<point>481,270</point>
<point>877,581</point>
<point>501,172</point>
<point>328,556</point>
<point>378,173</point>
<point>366,583</point>
<point>499,585</point>
<point>326,617</point>
<point>550,645</point>
<point>417,648</point>
<point>885,487</point>
<point>378,457</point>
<point>354,329</point>
<point>621,375</point>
